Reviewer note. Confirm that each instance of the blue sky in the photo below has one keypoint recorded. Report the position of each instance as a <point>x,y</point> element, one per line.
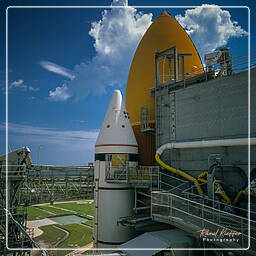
<point>65,63</point>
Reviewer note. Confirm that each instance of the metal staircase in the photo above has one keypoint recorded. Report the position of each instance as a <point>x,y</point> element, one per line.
<point>144,179</point>
<point>202,217</point>
<point>163,197</point>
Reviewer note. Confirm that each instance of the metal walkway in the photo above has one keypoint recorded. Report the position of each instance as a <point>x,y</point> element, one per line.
<point>195,215</point>
<point>49,183</point>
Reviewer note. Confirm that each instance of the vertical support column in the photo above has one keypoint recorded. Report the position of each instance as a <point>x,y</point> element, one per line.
<point>66,186</point>
<point>156,69</point>
<point>176,65</point>
<point>157,125</point>
<point>242,231</point>
<point>151,204</point>
<point>135,198</point>
<point>183,70</point>
<point>172,117</point>
<point>80,183</point>
<point>170,68</point>
<point>41,187</point>
<point>96,202</point>
<point>52,192</point>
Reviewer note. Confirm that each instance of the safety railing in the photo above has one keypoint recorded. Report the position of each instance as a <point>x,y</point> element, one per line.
<point>145,119</point>
<point>224,229</point>
<point>236,64</point>
<point>116,174</point>
<point>172,184</point>
<point>145,175</point>
<point>12,171</point>
<point>136,176</point>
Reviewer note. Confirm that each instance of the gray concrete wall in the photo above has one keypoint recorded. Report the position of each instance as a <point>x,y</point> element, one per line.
<point>214,109</point>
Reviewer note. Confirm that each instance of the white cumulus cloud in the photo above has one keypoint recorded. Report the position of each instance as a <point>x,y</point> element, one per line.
<point>116,36</point>
<point>19,84</point>
<point>52,67</point>
<point>60,94</point>
<point>209,27</point>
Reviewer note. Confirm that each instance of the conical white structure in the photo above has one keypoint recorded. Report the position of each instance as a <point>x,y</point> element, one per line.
<point>116,134</point>
<point>116,151</point>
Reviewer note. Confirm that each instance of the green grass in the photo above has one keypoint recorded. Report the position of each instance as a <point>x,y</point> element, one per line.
<point>35,213</point>
<point>79,236</point>
<point>81,209</point>
<point>54,210</point>
<point>89,222</point>
<point>50,236</point>
<point>88,252</point>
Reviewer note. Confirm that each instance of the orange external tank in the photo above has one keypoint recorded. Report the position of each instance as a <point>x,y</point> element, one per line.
<point>163,33</point>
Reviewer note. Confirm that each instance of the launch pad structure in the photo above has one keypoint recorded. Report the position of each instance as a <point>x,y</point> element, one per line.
<point>198,127</point>
<point>177,161</point>
<point>201,134</point>
<point>30,184</point>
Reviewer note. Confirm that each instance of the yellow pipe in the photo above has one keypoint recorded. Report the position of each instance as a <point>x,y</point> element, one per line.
<point>202,180</point>
<point>191,178</point>
<point>223,193</point>
<point>183,174</point>
<point>240,193</point>
<point>217,185</point>
<point>201,175</point>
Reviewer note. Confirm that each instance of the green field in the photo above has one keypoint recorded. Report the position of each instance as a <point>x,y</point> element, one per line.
<point>34,213</point>
<point>88,252</point>
<point>37,212</point>
<point>54,210</point>
<point>89,222</point>
<point>81,209</point>
<point>79,236</point>
<point>51,235</point>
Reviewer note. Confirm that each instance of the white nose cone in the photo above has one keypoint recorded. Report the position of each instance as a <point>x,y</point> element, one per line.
<point>116,134</point>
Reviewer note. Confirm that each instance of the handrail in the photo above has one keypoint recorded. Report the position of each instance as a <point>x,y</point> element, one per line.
<point>192,214</point>
<point>185,193</point>
<point>190,197</point>
<point>235,62</point>
<point>204,205</point>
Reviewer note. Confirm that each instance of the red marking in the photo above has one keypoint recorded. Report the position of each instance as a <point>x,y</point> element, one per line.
<point>109,145</point>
